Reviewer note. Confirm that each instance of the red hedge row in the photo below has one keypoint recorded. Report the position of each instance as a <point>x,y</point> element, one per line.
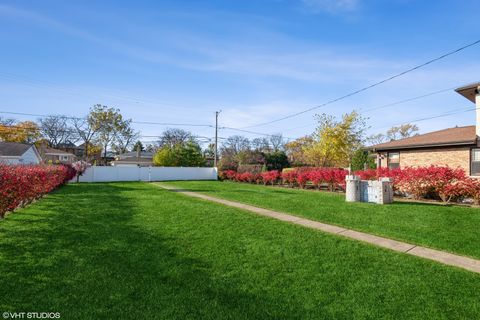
<point>21,184</point>
<point>333,178</point>
<point>435,181</point>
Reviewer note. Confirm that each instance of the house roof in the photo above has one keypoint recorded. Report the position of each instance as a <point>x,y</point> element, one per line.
<point>143,154</point>
<point>446,137</point>
<point>69,144</point>
<point>134,160</point>
<point>56,151</point>
<point>469,91</point>
<point>13,149</point>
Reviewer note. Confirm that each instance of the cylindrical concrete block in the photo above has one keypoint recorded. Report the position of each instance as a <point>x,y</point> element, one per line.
<point>352,190</point>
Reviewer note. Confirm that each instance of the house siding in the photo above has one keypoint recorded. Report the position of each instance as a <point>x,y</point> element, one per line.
<point>453,157</point>
<point>9,160</point>
<point>29,157</point>
<point>52,158</point>
<point>457,157</point>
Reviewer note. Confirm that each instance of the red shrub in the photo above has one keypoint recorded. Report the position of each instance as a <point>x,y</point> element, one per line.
<point>421,181</point>
<point>335,178</point>
<point>316,177</point>
<point>270,177</point>
<point>339,179</point>
<point>443,182</point>
<point>303,178</point>
<point>467,187</point>
<point>245,177</point>
<point>20,185</point>
<point>289,177</point>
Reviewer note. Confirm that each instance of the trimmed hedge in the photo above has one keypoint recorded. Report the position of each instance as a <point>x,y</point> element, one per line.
<point>22,184</point>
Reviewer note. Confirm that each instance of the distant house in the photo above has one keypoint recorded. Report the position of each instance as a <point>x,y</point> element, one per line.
<point>455,147</point>
<point>72,148</point>
<point>19,153</point>
<point>139,159</point>
<point>55,156</point>
<point>94,154</point>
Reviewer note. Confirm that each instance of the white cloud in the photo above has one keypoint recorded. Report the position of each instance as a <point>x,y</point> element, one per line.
<point>331,6</point>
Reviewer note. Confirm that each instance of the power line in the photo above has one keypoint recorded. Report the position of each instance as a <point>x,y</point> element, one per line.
<point>367,87</point>
<point>72,131</point>
<point>443,114</point>
<point>52,86</point>
<point>252,132</point>
<point>406,100</point>
<point>391,104</point>
<point>81,118</point>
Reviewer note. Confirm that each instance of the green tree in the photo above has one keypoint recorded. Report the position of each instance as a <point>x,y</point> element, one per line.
<point>138,146</point>
<point>188,154</point>
<point>336,141</point>
<point>276,160</point>
<point>165,157</point>
<point>295,150</point>
<point>362,160</point>
<point>109,123</point>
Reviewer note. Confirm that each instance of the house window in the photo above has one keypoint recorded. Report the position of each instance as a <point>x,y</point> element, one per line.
<point>475,163</point>
<point>64,158</point>
<point>393,160</point>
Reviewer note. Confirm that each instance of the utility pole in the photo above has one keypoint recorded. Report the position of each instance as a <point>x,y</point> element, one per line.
<point>215,159</point>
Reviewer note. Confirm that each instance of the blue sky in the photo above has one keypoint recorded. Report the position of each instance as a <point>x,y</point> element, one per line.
<point>179,61</point>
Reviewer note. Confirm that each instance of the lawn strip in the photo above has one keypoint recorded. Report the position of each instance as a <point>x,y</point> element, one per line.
<point>452,229</point>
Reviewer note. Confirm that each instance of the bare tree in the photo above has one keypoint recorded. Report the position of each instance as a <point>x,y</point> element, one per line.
<point>403,131</point>
<point>56,130</point>
<point>7,121</point>
<point>173,137</point>
<point>125,137</point>
<point>260,144</point>
<point>235,144</point>
<point>277,142</point>
<point>86,131</point>
<point>376,139</point>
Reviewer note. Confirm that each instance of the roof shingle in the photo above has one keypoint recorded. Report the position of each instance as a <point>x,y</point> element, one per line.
<point>13,149</point>
<point>445,137</point>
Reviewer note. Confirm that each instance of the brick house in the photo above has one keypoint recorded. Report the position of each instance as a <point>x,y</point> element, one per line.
<point>455,147</point>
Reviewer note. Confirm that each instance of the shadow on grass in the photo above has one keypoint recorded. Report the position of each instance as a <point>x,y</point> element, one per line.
<point>80,252</point>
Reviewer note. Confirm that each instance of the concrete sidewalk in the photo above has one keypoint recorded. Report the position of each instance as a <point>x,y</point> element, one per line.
<point>431,254</point>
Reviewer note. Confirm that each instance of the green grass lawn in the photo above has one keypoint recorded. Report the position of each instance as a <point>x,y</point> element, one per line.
<point>450,228</point>
<point>135,251</point>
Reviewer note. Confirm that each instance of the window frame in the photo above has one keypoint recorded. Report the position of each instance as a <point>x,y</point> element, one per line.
<point>472,150</point>
<point>396,163</point>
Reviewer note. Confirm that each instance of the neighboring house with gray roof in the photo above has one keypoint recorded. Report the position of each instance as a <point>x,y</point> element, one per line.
<point>134,158</point>
<point>19,153</point>
<point>56,156</point>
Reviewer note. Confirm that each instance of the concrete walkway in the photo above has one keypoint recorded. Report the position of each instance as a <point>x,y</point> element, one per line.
<point>431,254</point>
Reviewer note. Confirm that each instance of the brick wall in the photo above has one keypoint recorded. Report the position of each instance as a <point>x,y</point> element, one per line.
<point>455,157</point>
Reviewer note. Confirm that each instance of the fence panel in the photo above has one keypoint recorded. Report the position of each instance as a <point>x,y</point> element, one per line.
<point>110,174</point>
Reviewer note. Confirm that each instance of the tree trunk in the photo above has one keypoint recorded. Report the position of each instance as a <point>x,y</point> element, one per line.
<point>86,151</point>
<point>105,155</point>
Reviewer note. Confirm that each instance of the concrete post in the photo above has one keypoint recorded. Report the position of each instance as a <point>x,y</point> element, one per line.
<point>352,190</point>
<point>386,195</point>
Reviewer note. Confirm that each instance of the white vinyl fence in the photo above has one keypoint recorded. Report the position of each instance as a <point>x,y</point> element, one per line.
<point>114,173</point>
